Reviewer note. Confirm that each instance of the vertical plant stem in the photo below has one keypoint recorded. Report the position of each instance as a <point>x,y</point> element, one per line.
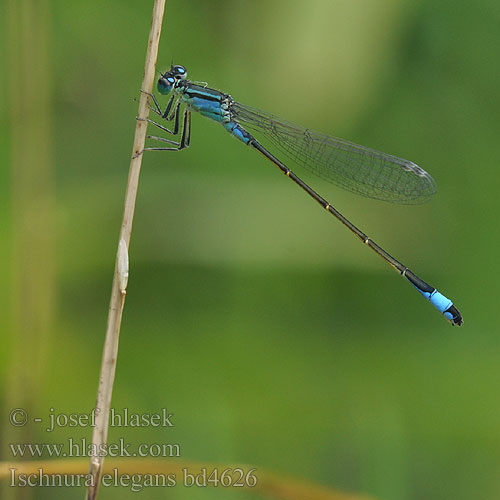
<point>110,352</point>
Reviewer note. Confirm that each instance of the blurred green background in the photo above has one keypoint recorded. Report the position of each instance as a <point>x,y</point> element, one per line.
<point>270,332</point>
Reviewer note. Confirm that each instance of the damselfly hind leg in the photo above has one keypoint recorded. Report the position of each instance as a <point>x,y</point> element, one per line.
<point>185,136</point>
<point>169,115</point>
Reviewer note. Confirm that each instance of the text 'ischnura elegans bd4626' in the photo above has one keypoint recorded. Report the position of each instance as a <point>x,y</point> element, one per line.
<point>355,168</point>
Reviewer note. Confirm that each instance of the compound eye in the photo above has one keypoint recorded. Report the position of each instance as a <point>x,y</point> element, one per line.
<point>165,84</point>
<point>180,72</point>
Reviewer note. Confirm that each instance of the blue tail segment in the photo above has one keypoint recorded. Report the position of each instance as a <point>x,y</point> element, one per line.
<point>443,304</point>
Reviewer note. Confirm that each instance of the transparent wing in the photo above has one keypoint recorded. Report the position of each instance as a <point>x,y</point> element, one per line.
<point>356,168</point>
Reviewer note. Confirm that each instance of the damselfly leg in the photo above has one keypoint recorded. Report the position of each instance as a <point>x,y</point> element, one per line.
<point>169,116</point>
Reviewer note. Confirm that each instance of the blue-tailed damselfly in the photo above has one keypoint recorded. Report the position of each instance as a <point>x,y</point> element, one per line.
<point>355,168</point>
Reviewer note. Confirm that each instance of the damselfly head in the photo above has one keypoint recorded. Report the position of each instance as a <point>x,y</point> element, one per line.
<point>167,81</point>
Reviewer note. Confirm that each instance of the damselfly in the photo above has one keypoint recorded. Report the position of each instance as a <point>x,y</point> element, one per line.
<point>355,168</point>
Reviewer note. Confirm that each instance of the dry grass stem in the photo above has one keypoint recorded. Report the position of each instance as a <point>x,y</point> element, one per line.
<point>110,352</point>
